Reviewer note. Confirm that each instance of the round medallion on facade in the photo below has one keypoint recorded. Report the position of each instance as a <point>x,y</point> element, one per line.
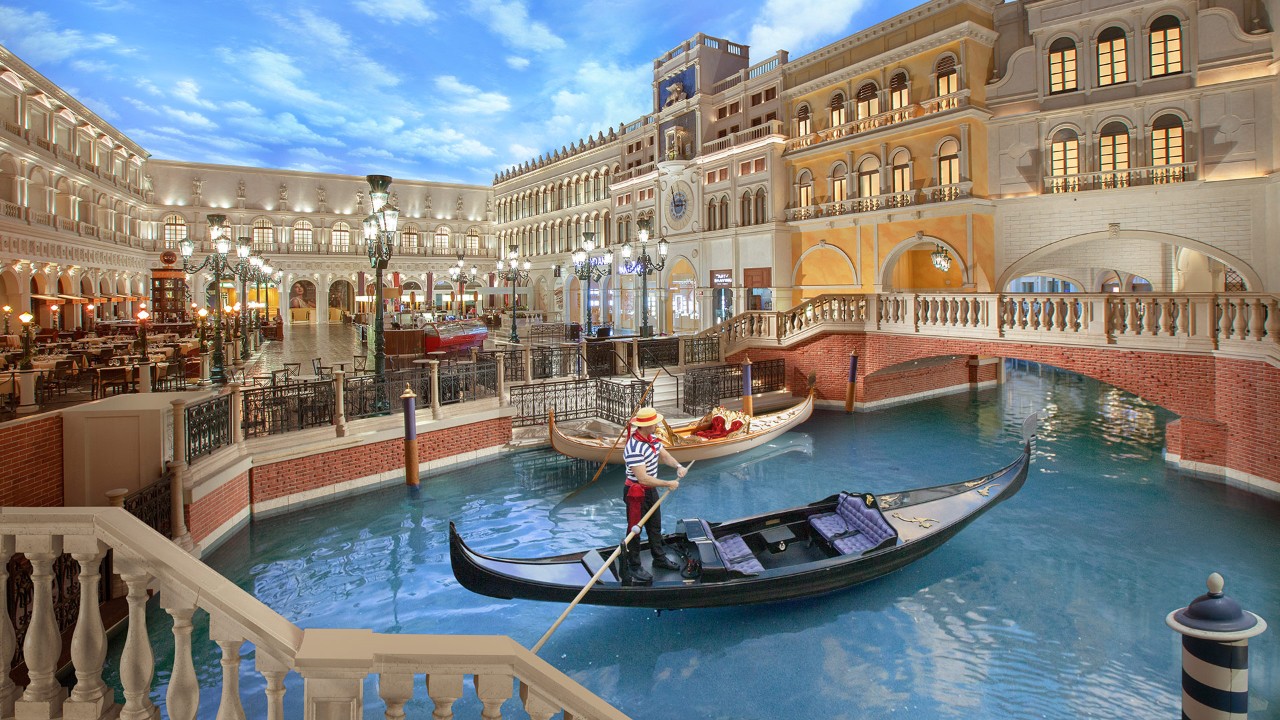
<point>168,257</point>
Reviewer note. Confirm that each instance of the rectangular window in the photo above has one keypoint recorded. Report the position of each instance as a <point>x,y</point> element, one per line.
<point>1062,70</point>
<point>759,164</point>
<point>1166,52</point>
<point>901,178</point>
<point>838,189</point>
<point>723,174</point>
<point>947,83</point>
<point>771,117</point>
<point>869,183</point>
<point>711,177</point>
<point>1112,66</point>
<point>770,93</point>
<point>756,99</point>
<point>806,195</point>
<point>1064,160</point>
<point>868,107</point>
<point>744,168</point>
<point>1113,152</point>
<point>735,128</point>
<point>755,122</point>
<point>1166,146</point>
<point>899,98</point>
<point>734,108</point>
<point>949,170</point>
<point>722,113</point>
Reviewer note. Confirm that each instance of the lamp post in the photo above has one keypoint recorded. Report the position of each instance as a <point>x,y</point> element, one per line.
<point>56,317</point>
<point>142,333</point>
<point>217,261</point>
<point>7,311</point>
<point>380,238</point>
<point>26,318</point>
<point>457,275</point>
<point>513,271</point>
<point>586,269</point>
<point>202,319</point>
<point>89,309</point>
<point>643,265</point>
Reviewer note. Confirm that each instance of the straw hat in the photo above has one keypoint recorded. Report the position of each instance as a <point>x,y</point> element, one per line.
<point>646,416</point>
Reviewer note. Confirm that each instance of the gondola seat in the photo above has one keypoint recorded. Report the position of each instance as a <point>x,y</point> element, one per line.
<point>856,526</point>
<point>732,549</point>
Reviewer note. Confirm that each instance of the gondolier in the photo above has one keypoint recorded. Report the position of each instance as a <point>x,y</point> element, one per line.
<point>641,455</point>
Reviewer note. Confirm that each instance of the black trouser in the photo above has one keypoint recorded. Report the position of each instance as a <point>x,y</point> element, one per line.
<point>653,526</point>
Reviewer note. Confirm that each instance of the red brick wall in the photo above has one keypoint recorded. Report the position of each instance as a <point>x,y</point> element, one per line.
<point>1248,403</point>
<point>219,506</point>
<point>886,386</point>
<point>317,471</point>
<point>31,463</point>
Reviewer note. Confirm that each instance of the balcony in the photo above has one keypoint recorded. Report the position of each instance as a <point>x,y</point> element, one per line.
<point>1112,179</point>
<point>888,201</point>
<point>635,172</point>
<point>946,103</point>
<point>773,127</point>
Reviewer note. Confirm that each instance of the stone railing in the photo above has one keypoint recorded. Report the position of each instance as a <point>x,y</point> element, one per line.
<point>1243,324</point>
<point>1114,179</point>
<point>742,137</point>
<point>896,116</point>
<point>331,665</point>
<point>11,209</point>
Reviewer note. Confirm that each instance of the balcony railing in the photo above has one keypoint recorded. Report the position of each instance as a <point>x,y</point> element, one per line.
<point>1113,179</point>
<point>773,127</point>
<point>634,172</point>
<point>889,118</point>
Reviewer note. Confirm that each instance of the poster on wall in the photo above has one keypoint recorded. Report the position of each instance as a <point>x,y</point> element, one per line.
<point>302,294</point>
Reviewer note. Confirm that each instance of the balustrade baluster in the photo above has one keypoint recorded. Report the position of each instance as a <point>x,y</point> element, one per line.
<point>395,689</point>
<point>1273,321</point>
<point>1240,308</point>
<point>90,698</point>
<point>1153,317</point>
<point>1073,316</point>
<point>1060,315</point>
<point>493,690</point>
<point>182,700</point>
<point>1133,325</point>
<point>137,663</point>
<point>275,686</point>
<point>44,696</point>
<point>229,707</point>
<point>8,638</point>
<point>1024,314</point>
<point>1257,319</point>
<point>444,691</point>
<point>1182,323</point>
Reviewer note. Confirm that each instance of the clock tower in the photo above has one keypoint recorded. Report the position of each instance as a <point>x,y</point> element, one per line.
<point>678,199</point>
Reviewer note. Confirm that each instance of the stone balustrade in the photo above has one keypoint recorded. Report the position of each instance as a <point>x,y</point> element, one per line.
<point>332,663</point>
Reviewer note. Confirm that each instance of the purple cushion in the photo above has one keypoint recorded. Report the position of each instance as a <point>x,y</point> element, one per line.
<point>732,547</point>
<point>749,564</point>
<point>853,544</point>
<point>829,525</point>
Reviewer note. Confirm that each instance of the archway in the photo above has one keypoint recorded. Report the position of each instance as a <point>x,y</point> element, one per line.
<point>411,296</point>
<point>342,300</point>
<point>302,301</point>
<point>909,266</point>
<point>11,297</point>
<point>824,268</point>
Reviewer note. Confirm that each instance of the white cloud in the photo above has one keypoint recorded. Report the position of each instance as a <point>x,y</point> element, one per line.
<point>799,25</point>
<point>284,128</point>
<point>276,75</point>
<point>598,98</point>
<point>309,159</point>
<point>147,86</point>
<point>511,21</point>
<point>193,119</point>
<point>397,11</point>
<point>517,63</point>
<point>98,67</point>
<point>35,37</point>
<point>189,90</point>
<point>470,100</point>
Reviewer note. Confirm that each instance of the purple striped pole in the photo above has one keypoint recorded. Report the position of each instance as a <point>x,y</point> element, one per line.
<point>853,377</point>
<point>748,403</point>
<point>410,436</point>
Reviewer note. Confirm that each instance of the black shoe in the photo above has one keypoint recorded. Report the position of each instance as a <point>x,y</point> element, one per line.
<point>638,576</point>
<point>664,562</point>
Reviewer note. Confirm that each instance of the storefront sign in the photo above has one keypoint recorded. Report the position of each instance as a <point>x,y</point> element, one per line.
<point>721,278</point>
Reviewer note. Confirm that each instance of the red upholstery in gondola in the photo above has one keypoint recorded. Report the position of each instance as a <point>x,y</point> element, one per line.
<point>718,430</point>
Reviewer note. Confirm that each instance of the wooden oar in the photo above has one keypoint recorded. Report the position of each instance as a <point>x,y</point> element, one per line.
<point>635,530</point>
<point>622,436</point>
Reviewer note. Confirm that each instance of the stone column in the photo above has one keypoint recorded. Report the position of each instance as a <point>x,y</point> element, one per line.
<point>502,379</point>
<point>237,410</point>
<point>177,477</point>
<point>90,699</point>
<point>339,402</point>
<point>44,696</point>
<point>435,388</point>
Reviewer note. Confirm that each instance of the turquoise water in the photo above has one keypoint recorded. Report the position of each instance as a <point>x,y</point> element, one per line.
<point>1052,605</point>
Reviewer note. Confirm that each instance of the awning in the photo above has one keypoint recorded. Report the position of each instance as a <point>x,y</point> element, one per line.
<point>73,298</point>
<point>48,298</point>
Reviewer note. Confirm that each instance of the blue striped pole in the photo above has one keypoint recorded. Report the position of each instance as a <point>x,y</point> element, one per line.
<point>1215,654</point>
<point>853,377</point>
<point>748,402</point>
<point>410,436</point>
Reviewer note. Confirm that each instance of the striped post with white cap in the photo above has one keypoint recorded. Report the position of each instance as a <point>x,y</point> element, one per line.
<point>1215,654</point>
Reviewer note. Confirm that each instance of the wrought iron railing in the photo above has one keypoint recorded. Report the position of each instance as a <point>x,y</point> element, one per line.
<point>153,505</point>
<point>544,333</point>
<point>512,362</point>
<point>704,388</point>
<point>618,401</point>
<point>698,350</point>
<point>208,426</point>
<point>553,361</point>
<point>361,394</point>
<point>465,382</point>
<point>569,399</point>
<point>601,358</point>
<point>277,409</point>
<point>663,352</point>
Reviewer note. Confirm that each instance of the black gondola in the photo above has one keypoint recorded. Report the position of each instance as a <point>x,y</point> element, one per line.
<point>831,544</point>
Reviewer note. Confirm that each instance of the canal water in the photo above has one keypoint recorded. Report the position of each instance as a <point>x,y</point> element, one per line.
<point>1051,605</point>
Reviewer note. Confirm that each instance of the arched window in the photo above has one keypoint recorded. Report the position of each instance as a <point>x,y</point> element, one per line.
<point>1064,160</point>
<point>443,241</point>
<point>744,209</point>
<point>869,177</point>
<point>804,189</point>
<point>761,212</point>
<point>409,237</point>
<point>473,241</point>
<point>340,236</point>
<point>1166,149</point>
<point>949,162</point>
<point>901,165</point>
<point>899,92</point>
<point>804,123</point>
<point>711,215</point>
<point>868,101</point>
<point>948,79</point>
<point>263,234</point>
<point>1113,154</point>
<point>303,234</point>
<point>1062,66</point>
<point>175,230</point>
<point>839,114</point>
<point>1113,65</point>
<point>1166,46</point>
<point>724,212</point>
<point>839,182</point>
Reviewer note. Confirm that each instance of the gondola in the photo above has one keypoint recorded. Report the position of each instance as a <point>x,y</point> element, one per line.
<point>842,540</point>
<point>688,447</point>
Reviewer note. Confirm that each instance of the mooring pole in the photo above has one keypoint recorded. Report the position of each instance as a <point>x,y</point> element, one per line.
<point>853,376</point>
<point>1215,654</point>
<point>748,402</point>
<point>410,436</point>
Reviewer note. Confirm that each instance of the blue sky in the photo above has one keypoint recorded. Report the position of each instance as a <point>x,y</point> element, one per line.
<point>420,89</point>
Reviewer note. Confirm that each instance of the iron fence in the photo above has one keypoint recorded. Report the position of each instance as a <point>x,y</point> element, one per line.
<point>658,353</point>
<point>366,396</point>
<point>512,362</point>
<point>208,426</point>
<point>276,409</point>
<point>698,350</point>
<point>553,361</point>
<point>601,358</point>
<point>569,399</point>
<point>618,401</point>
<point>705,387</point>
<point>547,333</point>
<point>465,382</point>
<point>153,505</point>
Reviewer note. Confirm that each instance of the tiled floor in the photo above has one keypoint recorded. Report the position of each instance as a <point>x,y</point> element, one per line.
<point>303,343</point>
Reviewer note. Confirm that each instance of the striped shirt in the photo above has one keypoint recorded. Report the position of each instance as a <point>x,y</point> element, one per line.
<point>640,452</point>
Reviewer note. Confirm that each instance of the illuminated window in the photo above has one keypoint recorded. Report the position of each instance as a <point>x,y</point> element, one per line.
<point>1064,160</point>
<point>804,189</point>
<point>839,182</point>
<point>949,163</point>
<point>1166,149</point>
<point>804,124</point>
<point>1166,46</point>
<point>901,165</point>
<point>868,101</point>
<point>899,93</point>
<point>1113,154</point>
<point>409,237</point>
<point>1062,66</point>
<point>340,236</point>
<point>869,177</point>
<point>263,234</point>
<point>175,230</point>
<point>303,234</point>
<point>1113,67</point>
<point>473,241</point>
<point>443,240</point>
<point>839,113</point>
<point>948,79</point>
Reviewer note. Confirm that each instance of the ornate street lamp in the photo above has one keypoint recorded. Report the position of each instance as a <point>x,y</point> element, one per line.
<point>457,275</point>
<point>202,319</point>
<point>512,270</point>
<point>380,239</point>
<point>142,333</point>
<point>218,262</point>
<point>7,311</point>
<point>26,318</point>
<point>643,265</point>
<point>588,268</point>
